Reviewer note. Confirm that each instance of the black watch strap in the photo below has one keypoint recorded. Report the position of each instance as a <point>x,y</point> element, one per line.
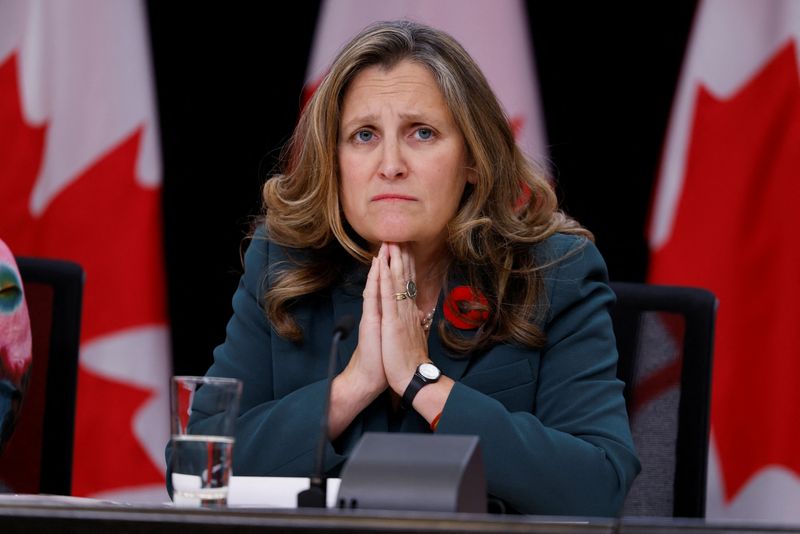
<point>417,382</point>
<point>411,391</point>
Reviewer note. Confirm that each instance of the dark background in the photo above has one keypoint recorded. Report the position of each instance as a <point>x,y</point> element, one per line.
<point>229,76</point>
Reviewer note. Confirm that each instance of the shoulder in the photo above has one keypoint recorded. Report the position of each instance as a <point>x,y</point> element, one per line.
<point>572,269</point>
<point>567,254</point>
<point>263,258</point>
<point>560,247</point>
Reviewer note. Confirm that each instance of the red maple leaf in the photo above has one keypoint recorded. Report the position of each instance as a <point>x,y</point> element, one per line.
<point>108,223</point>
<point>735,233</point>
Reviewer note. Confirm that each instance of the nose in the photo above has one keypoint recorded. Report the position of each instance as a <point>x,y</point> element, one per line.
<point>393,163</point>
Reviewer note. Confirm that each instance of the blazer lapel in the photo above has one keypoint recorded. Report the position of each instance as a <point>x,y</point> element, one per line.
<point>452,366</point>
<point>347,300</point>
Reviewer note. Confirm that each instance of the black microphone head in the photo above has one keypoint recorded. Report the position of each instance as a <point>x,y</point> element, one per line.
<point>344,326</point>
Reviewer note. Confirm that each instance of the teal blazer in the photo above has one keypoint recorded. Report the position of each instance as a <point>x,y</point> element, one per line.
<point>552,421</point>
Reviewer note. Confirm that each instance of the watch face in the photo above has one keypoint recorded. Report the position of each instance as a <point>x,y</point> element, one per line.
<point>429,371</point>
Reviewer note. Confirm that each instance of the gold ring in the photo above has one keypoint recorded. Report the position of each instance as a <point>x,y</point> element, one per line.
<point>400,296</point>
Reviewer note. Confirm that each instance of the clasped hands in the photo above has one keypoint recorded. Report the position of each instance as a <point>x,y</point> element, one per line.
<point>391,343</point>
<point>391,340</point>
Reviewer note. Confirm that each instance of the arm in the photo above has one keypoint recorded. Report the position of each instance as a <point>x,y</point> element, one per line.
<point>573,454</point>
<point>275,435</point>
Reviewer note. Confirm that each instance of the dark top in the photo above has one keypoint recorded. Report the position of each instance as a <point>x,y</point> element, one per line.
<point>552,421</point>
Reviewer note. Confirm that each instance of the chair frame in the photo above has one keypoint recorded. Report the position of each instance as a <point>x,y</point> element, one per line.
<point>698,307</point>
<point>58,428</point>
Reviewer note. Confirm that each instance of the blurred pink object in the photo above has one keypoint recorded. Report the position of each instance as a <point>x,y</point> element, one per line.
<point>15,343</point>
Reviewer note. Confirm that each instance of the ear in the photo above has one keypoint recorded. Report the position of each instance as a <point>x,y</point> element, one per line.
<point>471,175</point>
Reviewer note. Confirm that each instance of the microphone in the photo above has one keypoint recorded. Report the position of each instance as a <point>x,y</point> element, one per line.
<point>344,326</point>
<point>314,496</point>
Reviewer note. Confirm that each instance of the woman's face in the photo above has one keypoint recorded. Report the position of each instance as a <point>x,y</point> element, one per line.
<point>402,159</point>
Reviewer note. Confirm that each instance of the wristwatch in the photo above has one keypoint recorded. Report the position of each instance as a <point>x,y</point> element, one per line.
<point>426,373</point>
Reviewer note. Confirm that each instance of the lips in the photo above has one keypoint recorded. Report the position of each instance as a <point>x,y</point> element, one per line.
<point>392,196</point>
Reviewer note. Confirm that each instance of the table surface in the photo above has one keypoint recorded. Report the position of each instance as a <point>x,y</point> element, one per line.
<point>54,513</point>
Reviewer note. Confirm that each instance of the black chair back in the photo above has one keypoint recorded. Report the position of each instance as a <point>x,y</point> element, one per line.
<point>665,338</point>
<point>38,457</point>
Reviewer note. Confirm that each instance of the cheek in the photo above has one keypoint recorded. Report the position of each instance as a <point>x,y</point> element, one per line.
<point>347,181</point>
<point>454,199</point>
<point>351,200</point>
<point>350,192</point>
<point>450,193</point>
<point>353,166</point>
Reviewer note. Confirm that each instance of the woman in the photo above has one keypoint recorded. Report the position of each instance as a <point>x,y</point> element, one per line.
<point>481,308</point>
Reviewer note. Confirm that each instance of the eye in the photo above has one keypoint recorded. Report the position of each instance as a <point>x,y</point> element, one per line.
<point>364,136</point>
<point>10,298</point>
<point>424,134</point>
<point>10,291</point>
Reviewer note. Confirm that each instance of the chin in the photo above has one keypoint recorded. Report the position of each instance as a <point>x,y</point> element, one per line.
<point>391,234</point>
<point>393,237</point>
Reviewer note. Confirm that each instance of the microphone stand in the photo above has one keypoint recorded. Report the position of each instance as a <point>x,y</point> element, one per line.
<point>315,495</point>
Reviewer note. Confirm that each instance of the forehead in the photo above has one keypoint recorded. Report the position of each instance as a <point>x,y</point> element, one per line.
<point>407,83</point>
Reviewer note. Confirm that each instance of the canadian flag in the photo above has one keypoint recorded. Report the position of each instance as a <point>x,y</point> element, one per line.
<point>80,179</point>
<point>494,33</point>
<point>725,217</point>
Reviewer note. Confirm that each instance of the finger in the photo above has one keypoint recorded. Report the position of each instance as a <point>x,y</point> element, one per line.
<point>372,308</point>
<point>388,301</point>
<point>397,268</point>
<point>383,254</point>
<point>408,263</point>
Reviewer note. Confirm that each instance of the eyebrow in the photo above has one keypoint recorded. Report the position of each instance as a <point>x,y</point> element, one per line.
<point>372,118</point>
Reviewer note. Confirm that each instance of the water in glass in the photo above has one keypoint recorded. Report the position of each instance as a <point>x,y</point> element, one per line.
<point>201,469</point>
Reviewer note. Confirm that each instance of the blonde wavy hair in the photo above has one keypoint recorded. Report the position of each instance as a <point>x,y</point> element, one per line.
<point>510,207</point>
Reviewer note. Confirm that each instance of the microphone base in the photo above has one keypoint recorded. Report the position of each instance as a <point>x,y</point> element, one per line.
<point>313,497</point>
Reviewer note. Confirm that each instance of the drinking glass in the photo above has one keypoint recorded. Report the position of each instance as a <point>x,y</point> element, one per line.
<point>204,411</point>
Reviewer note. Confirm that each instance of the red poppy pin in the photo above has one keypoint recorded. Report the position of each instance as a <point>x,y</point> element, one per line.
<point>466,308</point>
